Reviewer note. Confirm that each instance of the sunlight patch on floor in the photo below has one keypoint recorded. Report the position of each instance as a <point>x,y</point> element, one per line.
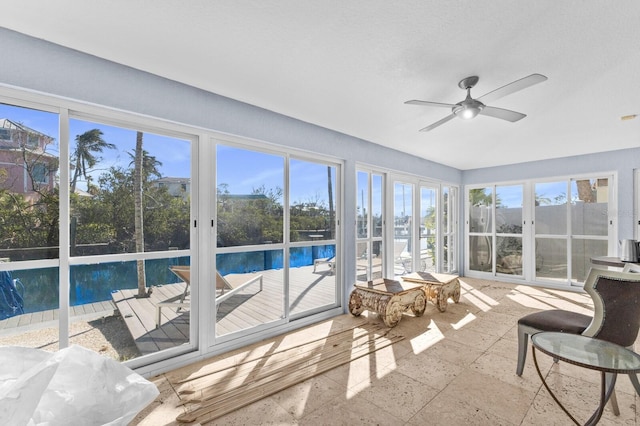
<point>427,339</point>
<point>467,319</point>
<point>543,299</point>
<point>477,297</point>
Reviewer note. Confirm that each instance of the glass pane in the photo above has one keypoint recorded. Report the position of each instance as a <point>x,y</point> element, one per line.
<point>362,261</point>
<point>312,278</point>
<point>581,253</point>
<point>449,199</point>
<point>446,254</point>
<point>480,258</point>
<point>368,263</point>
<point>446,225</point>
<point>104,202</point>
<point>29,315</point>
<point>362,203</point>
<point>312,188</point>
<point>249,195</point>
<point>249,289</point>
<point>376,261</point>
<point>551,258</point>
<point>376,205</point>
<point>509,209</point>
<point>509,255</point>
<point>551,208</point>
<point>29,198</point>
<point>480,206</point>
<point>428,228</point>
<point>403,228</point>
<point>589,207</point>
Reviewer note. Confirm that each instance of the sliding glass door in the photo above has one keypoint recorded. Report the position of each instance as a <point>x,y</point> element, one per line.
<point>403,227</point>
<point>130,214</point>
<point>480,229</point>
<point>449,228</point>
<point>312,237</point>
<point>424,235</point>
<point>428,232</point>
<point>509,229</point>
<point>95,211</point>
<point>545,231</point>
<point>249,266</point>
<point>551,237</point>
<point>369,226</point>
<point>277,256</point>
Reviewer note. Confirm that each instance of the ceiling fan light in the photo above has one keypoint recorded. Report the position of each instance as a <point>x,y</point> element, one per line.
<point>468,113</point>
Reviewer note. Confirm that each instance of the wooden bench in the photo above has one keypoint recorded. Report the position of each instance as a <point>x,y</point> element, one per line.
<point>388,298</point>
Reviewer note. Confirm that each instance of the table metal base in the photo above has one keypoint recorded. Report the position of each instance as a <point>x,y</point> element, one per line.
<point>607,385</point>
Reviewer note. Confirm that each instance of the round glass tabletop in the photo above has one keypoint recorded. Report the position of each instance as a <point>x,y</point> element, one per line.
<point>587,352</point>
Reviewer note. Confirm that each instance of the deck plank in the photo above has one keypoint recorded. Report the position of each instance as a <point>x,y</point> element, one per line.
<point>48,318</point>
<point>244,310</point>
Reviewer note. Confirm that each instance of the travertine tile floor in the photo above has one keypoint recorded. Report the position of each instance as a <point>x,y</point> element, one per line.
<point>452,368</point>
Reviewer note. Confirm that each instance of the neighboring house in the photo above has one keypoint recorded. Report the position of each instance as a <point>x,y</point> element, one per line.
<point>230,202</point>
<point>176,186</point>
<point>25,166</point>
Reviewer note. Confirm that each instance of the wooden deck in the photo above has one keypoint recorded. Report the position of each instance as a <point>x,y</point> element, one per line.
<point>245,309</point>
<point>49,318</point>
<point>140,317</point>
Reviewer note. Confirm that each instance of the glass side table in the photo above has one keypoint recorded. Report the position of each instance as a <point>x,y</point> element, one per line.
<point>606,357</point>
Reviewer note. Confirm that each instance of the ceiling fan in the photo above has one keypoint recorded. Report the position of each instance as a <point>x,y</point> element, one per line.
<point>470,107</point>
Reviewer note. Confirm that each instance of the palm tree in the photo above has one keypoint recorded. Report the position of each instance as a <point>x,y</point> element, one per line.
<point>144,166</point>
<point>150,165</point>
<point>138,221</point>
<point>330,191</point>
<point>87,145</point>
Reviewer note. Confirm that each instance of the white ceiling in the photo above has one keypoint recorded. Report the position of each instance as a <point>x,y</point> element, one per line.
<point>349,65</point>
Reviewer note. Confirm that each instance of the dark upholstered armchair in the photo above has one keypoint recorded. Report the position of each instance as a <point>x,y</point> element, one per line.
<point>616,300</point>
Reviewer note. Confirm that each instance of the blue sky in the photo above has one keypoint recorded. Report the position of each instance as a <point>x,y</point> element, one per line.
<point>174,154</point>
<point>376,192</point>
<point>510,196</point>
<point>243,170</point>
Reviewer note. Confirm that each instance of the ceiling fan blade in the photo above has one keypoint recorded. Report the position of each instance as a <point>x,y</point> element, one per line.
<point>512,87</point>
<point>428,103</point>
<point>504,114</point>
<point>438,123</point>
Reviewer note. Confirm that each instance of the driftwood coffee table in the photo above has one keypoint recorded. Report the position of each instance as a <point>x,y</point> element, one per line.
<point>438,287</point>
<point>388,298</point>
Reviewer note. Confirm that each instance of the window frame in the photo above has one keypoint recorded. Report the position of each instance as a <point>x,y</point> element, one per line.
<point>529,232</point>
<point>370,239</point>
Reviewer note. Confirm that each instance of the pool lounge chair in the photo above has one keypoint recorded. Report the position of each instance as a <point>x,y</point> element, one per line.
<point>224,290</point>
<point>331,261</point>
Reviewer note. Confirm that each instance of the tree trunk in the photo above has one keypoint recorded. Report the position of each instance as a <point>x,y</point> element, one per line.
<point>331,214</point>
<point>139,223</point>
<point>76,174</point>
<point>585,191</point>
